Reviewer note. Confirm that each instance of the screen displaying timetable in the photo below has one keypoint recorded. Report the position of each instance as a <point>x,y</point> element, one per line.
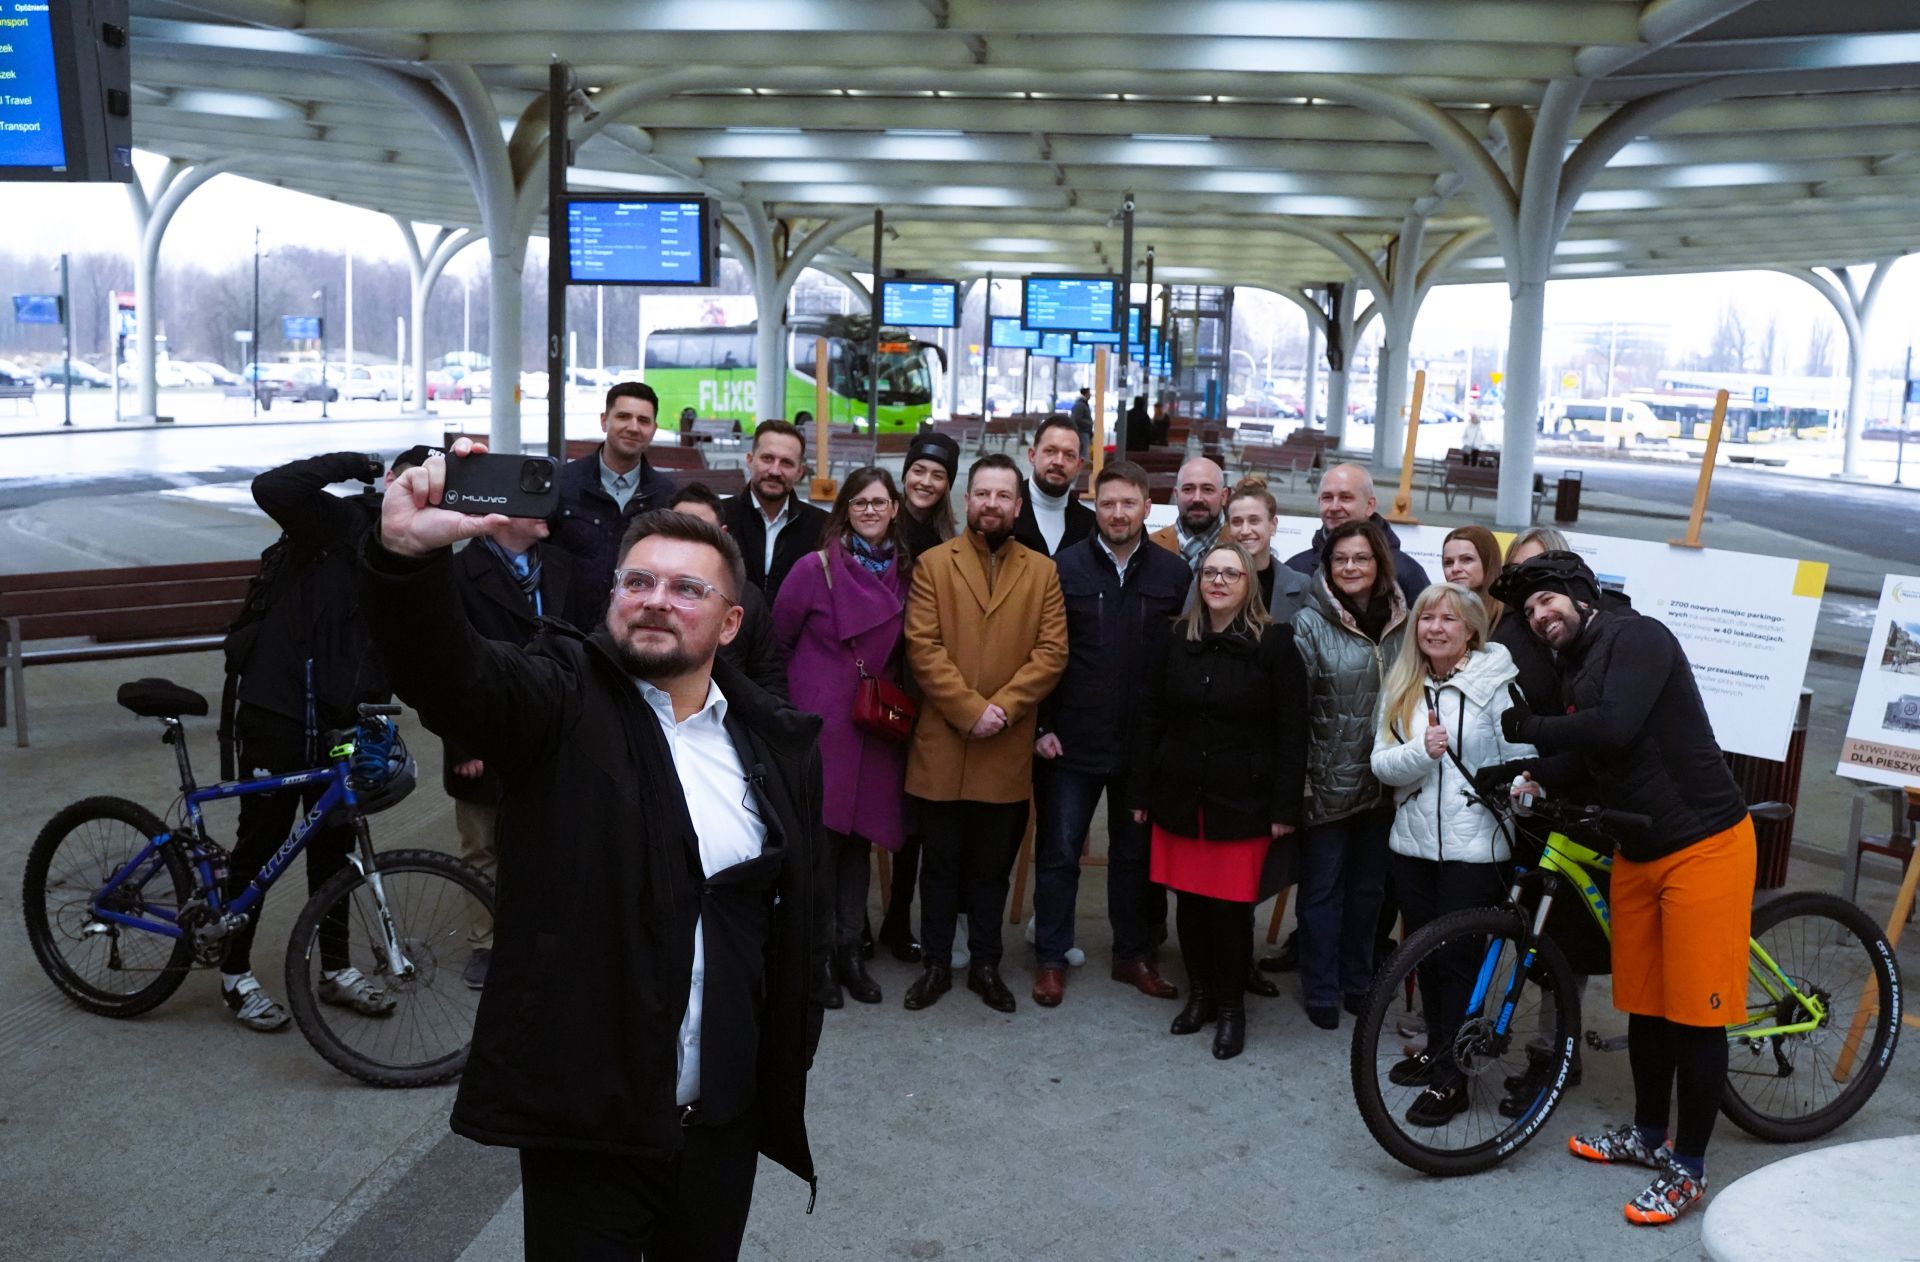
<point>1097,339</point>
<point>626,240</point>
<point>1070,304</point>
<point>920,303</point>
<point>1006,331</point>
<point>1055,345</point>
<point>31,133</point>
<point>1080,354</point>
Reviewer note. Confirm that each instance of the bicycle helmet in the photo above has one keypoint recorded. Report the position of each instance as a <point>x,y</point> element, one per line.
<point>382,772</point>
<point>1562,572</point>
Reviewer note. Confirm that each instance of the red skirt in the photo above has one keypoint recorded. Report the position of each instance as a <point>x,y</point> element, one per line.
<point>1228,870</point>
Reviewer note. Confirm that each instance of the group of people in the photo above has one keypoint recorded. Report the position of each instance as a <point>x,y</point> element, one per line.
<point>884,674</point>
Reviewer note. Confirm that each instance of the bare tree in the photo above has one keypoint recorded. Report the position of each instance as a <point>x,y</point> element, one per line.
<point>1730,338</point>
<point>1769,344</point>
<point>1819,361</point>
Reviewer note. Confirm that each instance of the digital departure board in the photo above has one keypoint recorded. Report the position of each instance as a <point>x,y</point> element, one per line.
<point>1097,339</point>
<point>920,304</point>
<point>623,239</point>
<point>1055,345</point>
<point>65,91</point>
<point>1080,354</point>
<point>1070,304</point>
<point>1007,331</point>
<point>1135,315</point>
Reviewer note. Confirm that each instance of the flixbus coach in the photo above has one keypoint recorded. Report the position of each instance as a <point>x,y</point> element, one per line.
<point>711,369</point>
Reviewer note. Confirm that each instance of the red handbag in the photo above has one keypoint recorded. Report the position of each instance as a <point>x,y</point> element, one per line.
<point>881,708</point>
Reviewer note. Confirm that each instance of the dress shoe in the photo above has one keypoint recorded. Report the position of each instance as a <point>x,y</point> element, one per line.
<point>1200,1010</point>
<point>1286,959</point>
<point>984,981</point>
<point>935,980</point>
<point>850,969</point>
<point>1356,1005</point>
<point>1327,1018</point>
<point>1142,977</point>
<point>1257,984</point>
<point>830,996</point>
<point>1436,1106</point>
<point>1050,987</point>
<point>1230,1036</point>
<point>899,939</point>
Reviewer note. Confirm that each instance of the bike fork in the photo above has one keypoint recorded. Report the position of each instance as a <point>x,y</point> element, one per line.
<point>398,965</point>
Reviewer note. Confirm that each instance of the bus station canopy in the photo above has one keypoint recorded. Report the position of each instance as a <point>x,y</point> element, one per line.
<point>1264,141</point>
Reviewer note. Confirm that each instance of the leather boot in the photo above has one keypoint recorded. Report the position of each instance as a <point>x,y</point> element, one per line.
<point>984,981</point>
<point>1199,1011</point>
<point>934,981</point>
<point>1257,984</point>
<point>828,987</point>
<point>851,971</point>
<point>897,937</point>
<point>1230,1036</point>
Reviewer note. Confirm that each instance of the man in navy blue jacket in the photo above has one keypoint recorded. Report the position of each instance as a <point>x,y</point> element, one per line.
<point>1122,595</point>
<point>601,493</point>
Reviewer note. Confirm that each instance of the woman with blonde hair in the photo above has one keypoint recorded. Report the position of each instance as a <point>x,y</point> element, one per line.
<point>1439,723</point>
<point>1219,764</point>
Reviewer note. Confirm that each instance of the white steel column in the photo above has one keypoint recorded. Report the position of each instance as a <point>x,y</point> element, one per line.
<point>1337,378</point>
<point>1311,377</point>
<point>1854,301</point>
<point>152,212</point>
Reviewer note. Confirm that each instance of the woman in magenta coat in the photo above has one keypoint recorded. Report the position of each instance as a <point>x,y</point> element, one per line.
<point>839,612</point>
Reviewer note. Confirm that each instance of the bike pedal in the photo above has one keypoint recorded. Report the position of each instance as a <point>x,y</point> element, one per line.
<point>1618,1043</point>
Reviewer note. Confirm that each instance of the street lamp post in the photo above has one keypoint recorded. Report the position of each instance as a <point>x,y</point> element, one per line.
<point>321,295</point>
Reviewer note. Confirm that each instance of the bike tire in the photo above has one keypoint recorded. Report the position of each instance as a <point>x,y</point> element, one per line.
<point>75,853</point>
<point>1822,941</point>
<point>434,899</point>
<point>1479,1138</point>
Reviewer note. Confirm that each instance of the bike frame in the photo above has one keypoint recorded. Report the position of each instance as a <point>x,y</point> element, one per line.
<point>1576,863</point>
<point>146,862</point>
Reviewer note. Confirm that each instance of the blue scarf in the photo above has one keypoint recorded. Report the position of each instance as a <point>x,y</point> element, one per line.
<point>876,560</point>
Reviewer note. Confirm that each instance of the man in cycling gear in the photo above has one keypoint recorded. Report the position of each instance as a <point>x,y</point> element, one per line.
<point>1634,728</point>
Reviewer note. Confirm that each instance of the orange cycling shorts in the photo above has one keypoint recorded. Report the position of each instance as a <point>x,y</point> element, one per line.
<point>1680,930</point>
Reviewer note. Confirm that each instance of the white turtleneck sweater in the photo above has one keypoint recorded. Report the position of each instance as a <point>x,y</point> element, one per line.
<point>1050,512</point>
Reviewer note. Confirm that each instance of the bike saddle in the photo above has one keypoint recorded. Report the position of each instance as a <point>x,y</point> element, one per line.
<point>1770,810</point>
<point>160,699</point>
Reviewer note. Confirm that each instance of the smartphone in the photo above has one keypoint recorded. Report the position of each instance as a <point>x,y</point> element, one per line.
<point>517,486</point>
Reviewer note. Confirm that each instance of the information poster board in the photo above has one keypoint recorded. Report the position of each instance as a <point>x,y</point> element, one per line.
<point>1746,621</point>
<point>1883,733</point>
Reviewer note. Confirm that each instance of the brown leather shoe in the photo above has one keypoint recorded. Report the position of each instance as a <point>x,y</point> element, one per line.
<point>1142,977</point>
<point>1050,987</point>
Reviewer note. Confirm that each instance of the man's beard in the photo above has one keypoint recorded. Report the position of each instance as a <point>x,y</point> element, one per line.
<point>650,666</point>
<point>1204,526</point>
<point>1132,536</point>
<point>1051,487</point>
<point>992,538</point>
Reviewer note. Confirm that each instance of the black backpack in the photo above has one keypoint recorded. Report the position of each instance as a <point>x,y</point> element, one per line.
<point>282,565</point>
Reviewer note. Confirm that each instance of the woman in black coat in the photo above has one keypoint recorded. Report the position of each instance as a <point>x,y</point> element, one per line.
<point>1219,767</point>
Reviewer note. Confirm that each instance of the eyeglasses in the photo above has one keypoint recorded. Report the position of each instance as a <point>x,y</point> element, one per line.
<point>682,592</point>
<point>869,506</point>
<point>1222,574</point>
<point>1353,563</point>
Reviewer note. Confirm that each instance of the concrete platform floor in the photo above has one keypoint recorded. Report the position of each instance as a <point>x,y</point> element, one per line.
<point>1084,1132</point>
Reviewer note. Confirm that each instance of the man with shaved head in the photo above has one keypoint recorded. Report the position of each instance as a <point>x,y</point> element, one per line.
<point>1201,496</point>
<point>1346,494</point>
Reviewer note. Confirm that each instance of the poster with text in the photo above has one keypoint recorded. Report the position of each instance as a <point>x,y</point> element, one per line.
<point>1746,621</point>
<point>1883,734</point>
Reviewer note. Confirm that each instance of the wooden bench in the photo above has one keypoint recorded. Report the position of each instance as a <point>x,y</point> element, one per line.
<point>1477,480</point>
<point>965,430</point>
<point>722,482</point>
<point>718,432</point>
<point>849,453</point>
<point>1158,459</point>
<point>141,612</point>
<point>1287,460</point>
<point>17,393</point>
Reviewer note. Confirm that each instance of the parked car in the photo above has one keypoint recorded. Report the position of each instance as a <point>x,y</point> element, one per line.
<point>13,376</point>
<point>217,374</point>
<point>380,382</point>
<point>476,385</point>
<point>1612,422</point>
<point>442,384</point>
<point>85,376</point>
<point>167,375</point>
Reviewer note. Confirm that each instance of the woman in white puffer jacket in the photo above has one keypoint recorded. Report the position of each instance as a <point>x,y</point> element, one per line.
<point>1439,722</point>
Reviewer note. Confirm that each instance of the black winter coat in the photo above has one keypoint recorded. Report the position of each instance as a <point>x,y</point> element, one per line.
<point>1026,527</point>
<point>313,647</point>
<point>754,652</point>
<point>1636,725</point>
<point>1116,639</point>
<point>742,517</point>
<point>600,884</point>
<point>591,522</point>
<point>497,608</point>
<point>1224,731</point>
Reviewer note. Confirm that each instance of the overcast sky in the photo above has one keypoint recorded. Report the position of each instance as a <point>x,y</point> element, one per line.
<point>217,222</point>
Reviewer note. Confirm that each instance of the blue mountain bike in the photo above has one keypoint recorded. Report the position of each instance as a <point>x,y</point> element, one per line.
<point>120,904</point>
<point>1813,1040</point>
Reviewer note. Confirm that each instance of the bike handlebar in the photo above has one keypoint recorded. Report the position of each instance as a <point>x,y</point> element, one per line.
<point>1567,813</point>
<point>370,711</point>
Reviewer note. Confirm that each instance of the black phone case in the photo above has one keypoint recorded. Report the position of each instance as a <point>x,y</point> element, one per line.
<point>494,483</point>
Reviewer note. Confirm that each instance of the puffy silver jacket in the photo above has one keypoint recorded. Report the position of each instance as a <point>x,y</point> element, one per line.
<point>1344,672</point>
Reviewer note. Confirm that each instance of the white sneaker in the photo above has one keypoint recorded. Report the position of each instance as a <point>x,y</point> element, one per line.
<point>1075,956</point>
<point>253,1007</point>
<point>350,988</point>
